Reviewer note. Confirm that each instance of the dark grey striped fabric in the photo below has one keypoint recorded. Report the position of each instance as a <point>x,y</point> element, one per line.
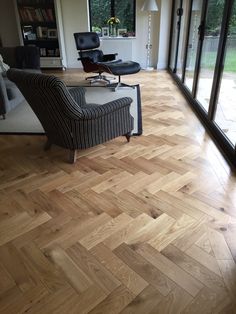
<point>64,115</point>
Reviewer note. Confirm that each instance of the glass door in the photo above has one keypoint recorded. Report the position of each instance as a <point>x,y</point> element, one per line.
<point>195,21</point>
<point>209,32</point>
<point>175,34</point>
<point>182,37</point>
<point>203,62</point>
<point>225,116</point>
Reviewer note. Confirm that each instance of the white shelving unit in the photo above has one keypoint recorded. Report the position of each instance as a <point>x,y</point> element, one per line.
<point>46,15</point>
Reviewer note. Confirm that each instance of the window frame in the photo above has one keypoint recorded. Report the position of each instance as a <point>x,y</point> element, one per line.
<point>207,118</point>
<point>113,14</point>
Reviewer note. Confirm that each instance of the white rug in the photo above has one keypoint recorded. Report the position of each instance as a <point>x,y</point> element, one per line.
<point>23,120</point>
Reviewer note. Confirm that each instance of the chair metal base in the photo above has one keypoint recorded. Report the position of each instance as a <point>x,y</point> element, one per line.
<point>99,78</point>
<point>118,85</point>
<point>115,86</point>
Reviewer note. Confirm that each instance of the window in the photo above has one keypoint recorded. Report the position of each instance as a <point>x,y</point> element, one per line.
<point>102,10</point>
<point>204,64</point>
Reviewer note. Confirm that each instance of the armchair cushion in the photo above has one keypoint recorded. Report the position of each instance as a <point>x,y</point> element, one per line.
<point>25,57</point>
<point>3,66</point>
<point>110,107</point>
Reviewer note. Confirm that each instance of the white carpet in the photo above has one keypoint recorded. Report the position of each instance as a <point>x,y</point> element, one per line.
<point>23,120</point>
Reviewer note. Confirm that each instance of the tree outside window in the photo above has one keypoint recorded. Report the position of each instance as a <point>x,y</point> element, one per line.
<point>102,10</point>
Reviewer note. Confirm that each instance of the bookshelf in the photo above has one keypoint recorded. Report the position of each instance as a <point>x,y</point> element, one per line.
<point>40,24</point>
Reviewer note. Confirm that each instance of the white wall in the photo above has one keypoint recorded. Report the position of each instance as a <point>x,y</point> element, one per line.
<point>8,27</point>
<point>163,47</point>
<point>75,19</point>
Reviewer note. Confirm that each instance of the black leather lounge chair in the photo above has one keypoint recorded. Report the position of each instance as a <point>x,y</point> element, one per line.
<point>93,59</point>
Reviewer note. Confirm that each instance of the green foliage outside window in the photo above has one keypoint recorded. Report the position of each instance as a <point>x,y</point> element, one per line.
<point>215,9</point>
<point>102,10</point>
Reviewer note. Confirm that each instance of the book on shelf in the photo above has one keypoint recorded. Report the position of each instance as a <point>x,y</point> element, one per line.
<point>43,52</point>
<point>30,14</point>
<point>39,15</point>
<point>42,32</point>
<point>51,52</point>
<point>57,52</point>
<point>35,2</point>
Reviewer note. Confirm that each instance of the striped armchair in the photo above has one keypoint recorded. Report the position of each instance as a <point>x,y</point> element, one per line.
<point>66,118</point>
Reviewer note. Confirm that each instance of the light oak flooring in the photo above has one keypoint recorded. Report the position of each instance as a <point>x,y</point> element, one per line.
<point>142,227</point>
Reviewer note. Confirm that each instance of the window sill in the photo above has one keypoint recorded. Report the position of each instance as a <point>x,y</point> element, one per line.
<point>117,38</point>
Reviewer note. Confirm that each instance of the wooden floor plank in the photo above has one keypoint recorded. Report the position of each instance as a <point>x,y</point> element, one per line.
<point>145,269</point>
<point>101,233</point>
<point>203,258</point>
<point>119,269</point>
<point>147,226</point>
<point>175,302</point>
<point>115,302</point>
<point>92,268</point>
<point>195,269</point>
<point>14,264</point>
<point>171,233</point>
<point>77,278</point>
<point>148,299</point>
<point>170,269</point>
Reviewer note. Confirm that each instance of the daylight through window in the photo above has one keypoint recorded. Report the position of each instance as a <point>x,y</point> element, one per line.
<point>102,10</point>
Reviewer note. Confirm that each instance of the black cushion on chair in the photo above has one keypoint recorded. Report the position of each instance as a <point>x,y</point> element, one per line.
<point>94,55</point>
<point>86,40</point>
<point>27,57</point>
<point>124,67</point>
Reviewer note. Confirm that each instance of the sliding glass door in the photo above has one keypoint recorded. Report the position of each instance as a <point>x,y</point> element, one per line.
<point>182,37</point>
<point>195,21</point>
<point>226,105</point>
<point>175,35</point>
<point>210,36</point>
<point>203,62</point>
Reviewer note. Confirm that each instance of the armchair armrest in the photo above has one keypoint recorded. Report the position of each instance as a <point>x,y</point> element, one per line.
<point>85,59</point>
<point>78,93</point>
<point>109,57</point>
<point>102,110</point>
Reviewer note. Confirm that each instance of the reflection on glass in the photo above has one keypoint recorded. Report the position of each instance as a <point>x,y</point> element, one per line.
<point>174,37</point>
<point>209,51</point>
<point>193,42</point>
<point>226,107</point>
<point>182,37</point>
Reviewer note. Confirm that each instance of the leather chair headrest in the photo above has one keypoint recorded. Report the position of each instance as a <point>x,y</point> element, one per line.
<point>86,40</point>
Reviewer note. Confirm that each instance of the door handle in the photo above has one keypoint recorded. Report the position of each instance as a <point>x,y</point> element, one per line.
<point>201,31</point>
<point>180,12</point>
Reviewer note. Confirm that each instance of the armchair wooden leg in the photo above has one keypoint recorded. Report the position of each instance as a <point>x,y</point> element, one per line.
<point>128,135</point>
<point>72,156</point>
<point>47,145</point>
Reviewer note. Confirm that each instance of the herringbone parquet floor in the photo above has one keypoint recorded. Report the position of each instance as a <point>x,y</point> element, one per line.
<point>142,227</point>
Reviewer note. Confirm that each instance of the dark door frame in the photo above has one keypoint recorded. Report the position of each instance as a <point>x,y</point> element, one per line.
<point>228,150</point>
